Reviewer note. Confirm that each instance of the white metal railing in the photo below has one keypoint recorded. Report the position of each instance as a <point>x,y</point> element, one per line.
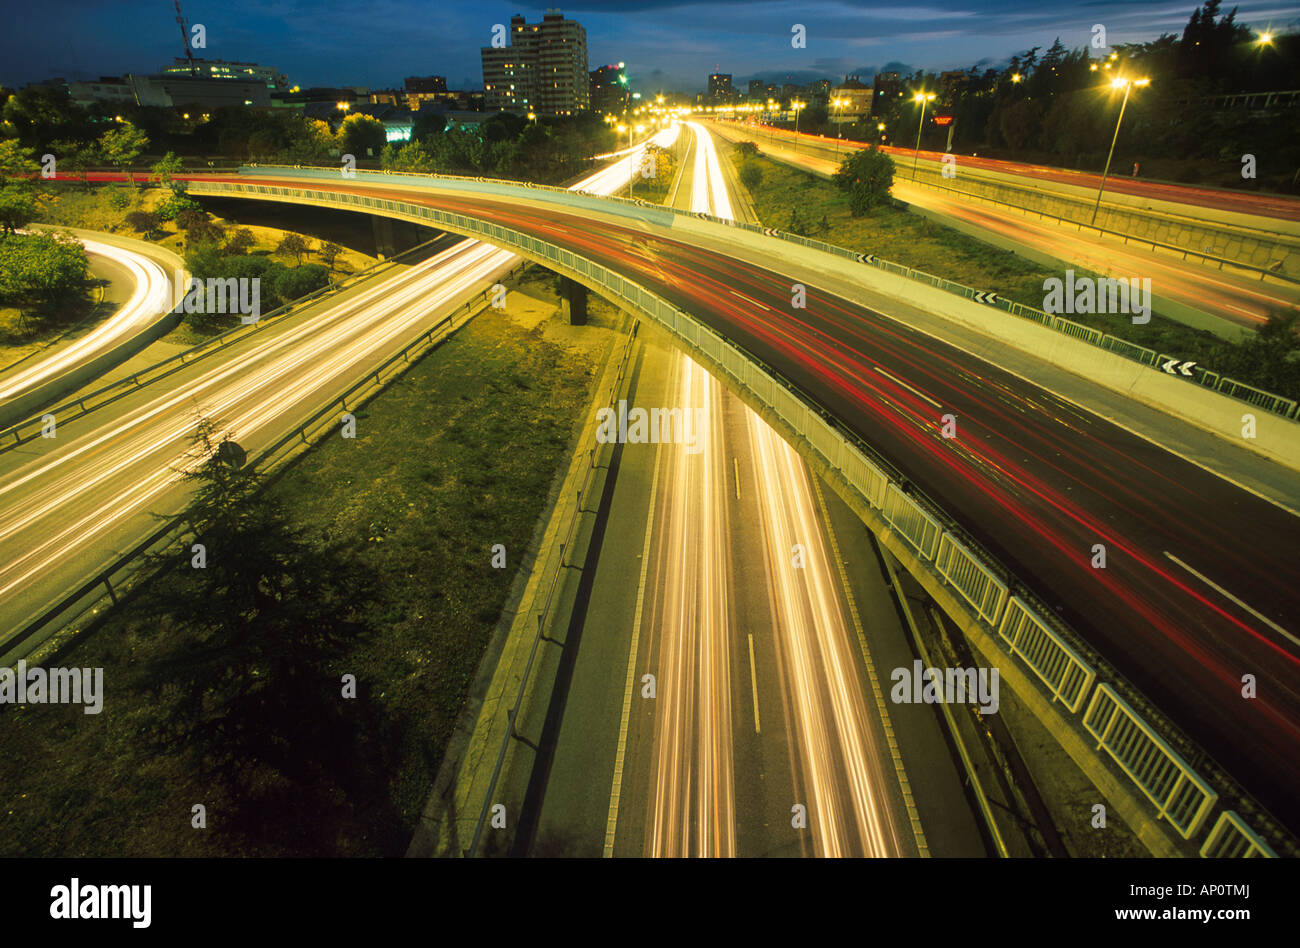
<point>976,582</point>
<point>1180,795</point>
<point>1052,659</point>
<point>1231,838</point>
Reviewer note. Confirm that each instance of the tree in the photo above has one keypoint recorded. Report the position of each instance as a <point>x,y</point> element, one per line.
<point>867,175</point>
<point>413,156</point>
<point>122,145</point>
<point>328,253</point>
<point>38,115</point>
<point>361,135</point>
<point>747,149</point>
<point>17,206</point>
<point>76,156</point>
<point>15,160</point>
<point>293,245</point>
<point>247,684</point>
<point>147,223</point>
<point>240,242</point>
<point>164,171</point>
<point>427,125</point>
<point>42,272</point>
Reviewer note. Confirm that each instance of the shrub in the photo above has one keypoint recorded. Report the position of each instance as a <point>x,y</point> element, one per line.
<point>118,199</point>
<point>146,222</point>
<point>751,175</point>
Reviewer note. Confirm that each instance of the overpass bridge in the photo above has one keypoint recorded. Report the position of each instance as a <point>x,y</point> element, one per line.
<point>1140,661</point>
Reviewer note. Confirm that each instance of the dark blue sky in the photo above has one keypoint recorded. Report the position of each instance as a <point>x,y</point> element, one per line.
<point>666,43</point>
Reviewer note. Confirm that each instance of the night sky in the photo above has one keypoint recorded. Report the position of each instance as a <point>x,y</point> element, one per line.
<point>666,44</point>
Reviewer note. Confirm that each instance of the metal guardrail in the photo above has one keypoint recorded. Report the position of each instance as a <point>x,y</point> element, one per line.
<point>120,575</point>
<point>566,544</point>
<point>1179,794</point>
<point>1275,404</point>
<point>12,436</point>
<point>1048,647</point>
<point>1231,838</point>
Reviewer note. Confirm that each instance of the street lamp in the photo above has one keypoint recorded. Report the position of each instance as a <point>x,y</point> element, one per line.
<point>922,97</point>
<point>798,107</point>
<point>1127,85</point>
<point>880,127</point>
<point>839,126</point>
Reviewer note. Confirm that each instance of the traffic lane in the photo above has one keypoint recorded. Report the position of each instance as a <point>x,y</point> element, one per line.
<point>1190,283</point>
<point>1264,205</point>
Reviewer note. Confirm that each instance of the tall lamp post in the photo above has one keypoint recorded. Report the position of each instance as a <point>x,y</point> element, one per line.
<point>1127,85</point>
<point>798,107</point>
<point>923,98</point>
<point>839,126</point>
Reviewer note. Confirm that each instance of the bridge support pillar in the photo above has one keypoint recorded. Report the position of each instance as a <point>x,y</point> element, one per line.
<point>574,301</point>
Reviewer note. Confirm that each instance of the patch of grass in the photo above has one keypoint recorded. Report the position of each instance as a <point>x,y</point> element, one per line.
<point>801,203</point>
<point>452,458</point>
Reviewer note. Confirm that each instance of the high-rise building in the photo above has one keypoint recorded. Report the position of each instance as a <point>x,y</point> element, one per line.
<point>608,90</point>
<point>720,88</point>
<point>542,70</point>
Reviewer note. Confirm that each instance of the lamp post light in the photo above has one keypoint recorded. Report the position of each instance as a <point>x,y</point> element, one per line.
<point>798,107</point>
<point>880,127</point>
<point>923,98</point>
<point>839,125</point>
<point>1127,85</point>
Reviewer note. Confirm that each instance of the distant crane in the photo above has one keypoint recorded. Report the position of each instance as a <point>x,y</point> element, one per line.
<point>185,37</point>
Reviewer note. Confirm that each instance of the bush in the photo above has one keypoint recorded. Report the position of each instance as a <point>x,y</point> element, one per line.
<point>300,281</point>
<point>751,175</point>
<point>118,199</point>
<point>748,149</point>
<point>867,176</point>
<point>146,222</point>
<point>174,204</point>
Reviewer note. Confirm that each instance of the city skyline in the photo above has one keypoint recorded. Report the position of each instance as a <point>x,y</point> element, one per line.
<point>351,46</point>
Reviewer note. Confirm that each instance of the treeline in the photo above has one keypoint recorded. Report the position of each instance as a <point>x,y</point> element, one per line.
<point>505,146</point>
<point>1058,106</point>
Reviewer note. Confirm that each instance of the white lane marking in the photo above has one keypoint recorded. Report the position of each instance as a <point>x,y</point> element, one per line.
<point>753,682</point>
<point>612,822</point>
<point>1223,592</point>
<point>752,302</point>
<point>736,464</point>
<point>914,391</point>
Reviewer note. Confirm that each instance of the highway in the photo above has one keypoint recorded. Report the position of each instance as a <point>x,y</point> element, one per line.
<point>1278,207</point>
<point>150,297</point>
<point>1200,586</point>
<point>735,604</point>
<point>70,505</point>
<point>1234,298</point>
